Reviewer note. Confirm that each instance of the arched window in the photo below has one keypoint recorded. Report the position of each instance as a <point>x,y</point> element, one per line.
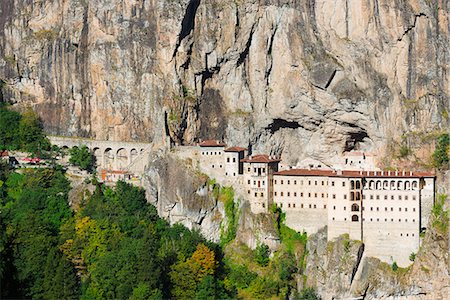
<point>399,185</point>
<point>414,185</point>
<point>407,185</point>
<point>358,185</point>
<point>352,196</point>
<point>358,196</point>
<point>371,185</point>
<point>378,185</point>
<point>385,185</point>
<point>355,218</point>
<point>392,185</point>
<point>352,184</point>
<point>355,207</point>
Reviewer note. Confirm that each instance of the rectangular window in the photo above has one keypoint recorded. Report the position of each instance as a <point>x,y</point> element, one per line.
<point>378,197</point>
<point>385,197</point>
<point>414,209</point>
<point>323,182</point>
<point>248,169</point>
<point>406,197</point>
<point>293,205</point>
<point>288,194</point>
<point>228,159</point>
<point>295,194</point>
<point>275,193</point>
<point>289,205</point>
<point>301,205</point>
<point>262,194</point>
<point>264,170</point>
<point>399,197</point>
<point>275,181</point>
<point>281,182</point>
<point>334,196</point>
<point>343,183</point>
<point>249,191</point>
<point>332,183</point>
<point>315,182</point>
<point>315,206</point>
<point>414,197</point>
<point>295,182</point>
<point>378,209</point>
<point>315,195</point>
<point>406,209</point>
<point>392,197</point>
<point>248,181</point>
<point>256,194</point>
<point>324,206</point>
<point>334,207</point>
<point>289,182</point>
<point>301,194</point>
<point>281,194</point>
<point>323,195</point>
<point>310,206</point>
<point>309,195</point>
<point>345,208</point>
<point>392,209</point>
<point>371,209</point>
<point>371,197</point>
<point>345,196</point>
<point>234,159</point>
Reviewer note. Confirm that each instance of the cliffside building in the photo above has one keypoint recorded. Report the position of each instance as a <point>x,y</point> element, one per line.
<point>384,209</point>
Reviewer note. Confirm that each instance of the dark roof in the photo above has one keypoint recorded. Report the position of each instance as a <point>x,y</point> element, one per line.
<point>211,143</point>
<point>235,149</point>
<point>260,158</point>
<point>376,174</point>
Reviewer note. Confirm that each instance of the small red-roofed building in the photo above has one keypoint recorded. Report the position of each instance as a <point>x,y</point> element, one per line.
<point>233,164</point>
<point>212,158</point>
<point>258,181</point>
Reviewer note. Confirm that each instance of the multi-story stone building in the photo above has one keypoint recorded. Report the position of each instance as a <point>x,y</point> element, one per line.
<point>384,209</point>
<point>258,181</point>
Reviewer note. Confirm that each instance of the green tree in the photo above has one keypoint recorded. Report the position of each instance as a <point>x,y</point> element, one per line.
<point>262,255</point>
<point>440,155</point>
<point>81,157</point>
<point>211,288</point>
<point>32,138</point>
<point>307,294</point>
<point>9,122</point>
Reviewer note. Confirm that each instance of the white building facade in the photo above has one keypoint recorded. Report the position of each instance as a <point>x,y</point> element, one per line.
<point>386,210</point>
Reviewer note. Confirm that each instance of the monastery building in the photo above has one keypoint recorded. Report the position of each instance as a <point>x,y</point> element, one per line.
<point>386,210</point>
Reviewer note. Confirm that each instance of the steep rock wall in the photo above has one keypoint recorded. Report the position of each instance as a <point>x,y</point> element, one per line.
<point>297,77</point>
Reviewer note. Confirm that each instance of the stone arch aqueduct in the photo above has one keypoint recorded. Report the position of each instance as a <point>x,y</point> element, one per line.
<point>111,155</point>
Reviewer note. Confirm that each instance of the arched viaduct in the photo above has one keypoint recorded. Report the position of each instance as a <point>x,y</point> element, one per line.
<point>110,155</point>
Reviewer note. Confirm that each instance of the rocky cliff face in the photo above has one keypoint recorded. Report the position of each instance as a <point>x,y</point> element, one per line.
<point>340,270</point>
<point>297,77</point>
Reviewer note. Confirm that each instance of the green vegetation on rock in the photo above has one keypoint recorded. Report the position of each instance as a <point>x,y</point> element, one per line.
<point>440,155</point>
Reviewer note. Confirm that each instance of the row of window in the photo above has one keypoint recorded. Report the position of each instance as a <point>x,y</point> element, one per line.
<point>310,182</point>
<point>392,197</point>
<point>288,194</point>
<point>228,159</point>
<point>211,153</point>
<point>292,205</point>
<point>391,185</point>
<point>355,218</point>
<point>355,207</point>
<point>220,166</point>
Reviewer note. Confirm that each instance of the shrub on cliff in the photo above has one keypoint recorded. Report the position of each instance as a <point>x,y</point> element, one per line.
<point>440,155</point>
<point>81,157</point>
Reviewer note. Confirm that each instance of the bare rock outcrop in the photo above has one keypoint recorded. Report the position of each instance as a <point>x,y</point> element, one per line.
<point>307,78</point>
<point>340,270</point>
<point>182,195</point>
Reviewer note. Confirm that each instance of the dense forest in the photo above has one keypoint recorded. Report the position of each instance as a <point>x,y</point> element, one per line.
<point>114,244</point>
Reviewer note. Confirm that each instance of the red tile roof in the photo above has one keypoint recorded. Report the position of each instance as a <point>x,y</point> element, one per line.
<point>211,143</point>
<point>260,158</point>
<point>235,149</point>
<point>4,153</point>
<point>332,173</point>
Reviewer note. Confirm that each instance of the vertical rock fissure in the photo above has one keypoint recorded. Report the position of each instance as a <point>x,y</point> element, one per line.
<point>188,22</point>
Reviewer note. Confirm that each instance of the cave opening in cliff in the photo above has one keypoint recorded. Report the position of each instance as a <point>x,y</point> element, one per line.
<point>278,124</point>
<point>354,139</point>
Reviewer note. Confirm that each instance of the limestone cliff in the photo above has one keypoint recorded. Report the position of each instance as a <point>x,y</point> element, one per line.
<point>296,77</point>
<point>340,270</point>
